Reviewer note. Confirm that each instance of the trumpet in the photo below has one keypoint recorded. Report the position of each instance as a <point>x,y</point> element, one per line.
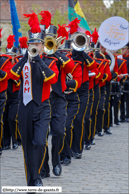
<point>52,44</point>
<point>79,41</point>
<point>33,51</point>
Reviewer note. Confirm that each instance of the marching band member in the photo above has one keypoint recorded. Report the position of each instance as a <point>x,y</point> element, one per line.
<point>102,99</point>
<point>11,108</point>
<point>5,66</point>
<point>125,96</point>
<point>96,91</point>
<point>88,116</point>
<point>103,55</point>
<point>73,82</point>
<point>122,69</point>
<point>88,64</point>
<point>37,74</point>
<point>57,99</point>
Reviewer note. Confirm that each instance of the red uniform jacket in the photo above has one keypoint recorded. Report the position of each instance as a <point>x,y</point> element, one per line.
<point>15,84</point>
<point>76,72</point>
<point>5,66</point>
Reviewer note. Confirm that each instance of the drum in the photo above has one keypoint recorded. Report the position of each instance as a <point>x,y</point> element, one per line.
<point>126,87</point>
<point>115,88</point>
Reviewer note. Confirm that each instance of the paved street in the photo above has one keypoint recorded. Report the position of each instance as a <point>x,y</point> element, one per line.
<point>103,169</point>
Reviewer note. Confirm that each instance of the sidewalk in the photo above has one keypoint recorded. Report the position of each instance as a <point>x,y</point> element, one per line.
<point>103,169</point>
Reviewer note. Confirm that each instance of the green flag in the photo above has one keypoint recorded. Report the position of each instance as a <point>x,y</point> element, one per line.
<point>75,11</point>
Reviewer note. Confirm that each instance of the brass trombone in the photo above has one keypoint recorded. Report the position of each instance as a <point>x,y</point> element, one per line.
<point>52,44</point>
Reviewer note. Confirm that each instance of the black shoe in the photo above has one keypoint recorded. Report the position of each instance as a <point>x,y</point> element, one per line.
<point>61,160</point>
<point>108,132</point>
<point>72,154</point>
<point>96,132</point>
<point>92,142</point>
<point>100,134</point>
<point>6,147</point>
<point>19,142</point>
<point>66,161</point>
<point>0,151</point>
<point>87,147</point>
<point>45,175</point>
<point>127,120</point>
<point>111,125</point>
<point>15,146</point>
<point>57,170</point>
<point>77,155</point>
<point>38,182</point>
<point>117,123</point>
<point>122,120</point>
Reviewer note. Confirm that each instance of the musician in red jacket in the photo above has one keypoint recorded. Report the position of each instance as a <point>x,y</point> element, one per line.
<point>101,106</point>
<point>96,92</point>
<point>113,75</point>
<point>93,94</point>
<point>116,87</point>
<point>57,97</point>
<point>11,108</point>
<point>5,66</point>
<point>88,64</point>
<point>73,82</point>
<point>125,97</point>
<point>37,74</point>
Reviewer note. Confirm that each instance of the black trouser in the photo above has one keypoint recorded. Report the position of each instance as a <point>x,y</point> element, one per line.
<point>73,104</point>
<point>126,88</point>
<point>94,111</point>
<point>115,102</point>
<point>33,125</point>
<point>78,130</point>
<point>58,121</point>
<point>127,104</point>
<point>3,96</point>
<point>45,167</point>
<point>88,120</point>
<point>101,109</point>
<point>122,107</point>
<point>11,118</point>
<point>107,107</point>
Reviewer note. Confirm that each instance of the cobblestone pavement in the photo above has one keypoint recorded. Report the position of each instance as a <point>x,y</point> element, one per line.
<point>103,169</point>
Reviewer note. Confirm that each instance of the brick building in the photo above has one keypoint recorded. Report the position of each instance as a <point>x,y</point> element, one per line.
<point>24,6</point>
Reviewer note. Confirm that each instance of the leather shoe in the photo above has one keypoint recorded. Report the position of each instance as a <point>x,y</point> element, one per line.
<point>96,132</point>
<point>100,134</point>
<point>57,170</point>
<point>15,146</point>
<point>6,147</point>
<point>38,182</point>
<point>87,147</point>
<point>117,123</point>
<point>61,160</point>
<point>122,120</point>
<point>45,175</point>
<point>0,151</point>
<point>77,155</point>
<point>108,132</point>
<point>92,142</point>
<point>19,142</point>
<point>66,161</point>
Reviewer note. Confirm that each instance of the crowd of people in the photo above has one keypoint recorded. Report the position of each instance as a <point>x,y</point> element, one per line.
<point>52,86</point>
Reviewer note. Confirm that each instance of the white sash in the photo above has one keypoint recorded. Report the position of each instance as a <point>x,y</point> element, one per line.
<point>27,83</point>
